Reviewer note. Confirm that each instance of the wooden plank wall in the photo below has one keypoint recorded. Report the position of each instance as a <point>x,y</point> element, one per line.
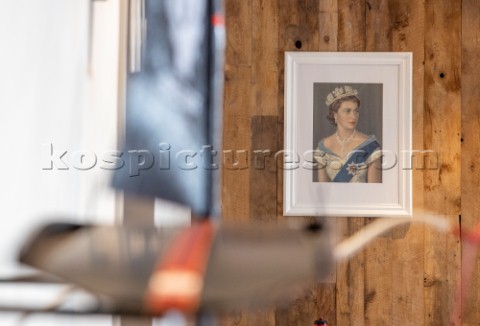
<point>409,276</point>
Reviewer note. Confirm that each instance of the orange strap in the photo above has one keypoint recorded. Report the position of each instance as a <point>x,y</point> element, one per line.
<point>177,281</point>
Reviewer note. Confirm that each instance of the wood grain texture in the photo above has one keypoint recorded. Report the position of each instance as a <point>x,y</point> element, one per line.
<point>328,25</point>
<point>236,125</point>
<point>350,295</point>
<point>378,255</point>
<point>408,19</point>
<point>442,276</point>
<point>378,25</point>
<point>263,171</point>
<point>326,305</point>
<point>235,174</point>
<point>239,89</point>
<point>470,179</point>
<point>442,118</point>
<point>442,104</point>
<point>232,318</point>
<point>351,25</point>
<point>238,20</point>
<point>265,68</point>
<point>236,154</point>
<point>302,311</point>
<point>263,111</point>
<point>378,282</point>
<point>298,25</point>
<point>248,318</point>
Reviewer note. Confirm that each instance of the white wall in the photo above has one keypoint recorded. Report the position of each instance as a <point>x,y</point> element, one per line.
<point>48,95</point>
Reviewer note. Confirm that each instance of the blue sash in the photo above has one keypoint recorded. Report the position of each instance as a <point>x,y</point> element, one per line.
<point>355,161</point>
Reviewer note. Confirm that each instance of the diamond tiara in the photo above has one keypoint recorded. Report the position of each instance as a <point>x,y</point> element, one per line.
<point>340,92</point>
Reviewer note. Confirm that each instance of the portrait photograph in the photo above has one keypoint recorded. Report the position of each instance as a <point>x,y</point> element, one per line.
<point>348,133</point>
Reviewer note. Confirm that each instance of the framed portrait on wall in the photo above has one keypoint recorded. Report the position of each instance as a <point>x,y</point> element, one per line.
<point>348,134</point>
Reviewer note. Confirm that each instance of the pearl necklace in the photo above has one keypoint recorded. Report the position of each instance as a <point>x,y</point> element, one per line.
<point>345,141</point>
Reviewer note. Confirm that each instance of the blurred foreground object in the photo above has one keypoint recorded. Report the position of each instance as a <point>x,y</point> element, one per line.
<point>174,95</point>
<point>203,268</point>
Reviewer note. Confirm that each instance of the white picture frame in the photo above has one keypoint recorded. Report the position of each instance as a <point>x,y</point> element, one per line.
<point>384,84</point>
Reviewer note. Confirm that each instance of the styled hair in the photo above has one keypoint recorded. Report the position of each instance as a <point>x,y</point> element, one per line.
<point>333,108</point>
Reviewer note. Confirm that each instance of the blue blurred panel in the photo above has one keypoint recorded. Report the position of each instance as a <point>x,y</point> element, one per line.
<point>172,118</point>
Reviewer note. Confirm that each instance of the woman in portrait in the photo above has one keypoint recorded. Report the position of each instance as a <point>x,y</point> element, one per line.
<point>347,155</point>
